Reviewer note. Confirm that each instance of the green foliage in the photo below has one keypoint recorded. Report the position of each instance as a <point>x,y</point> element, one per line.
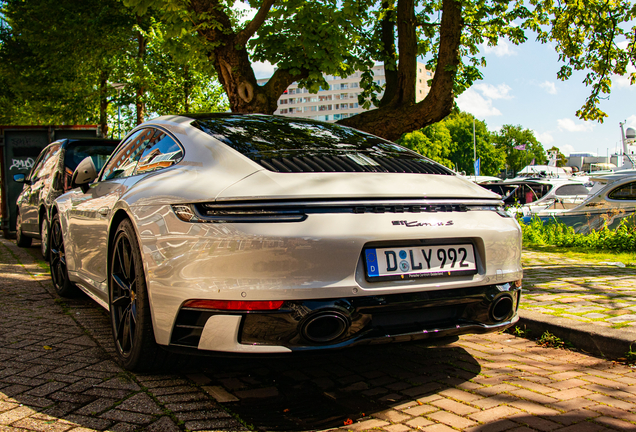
<point>450,142</point>
<point>554,233</point>
<point>434,142</point>
<point>57,58</point>
<point>510,137</point>
<point>548,340</point>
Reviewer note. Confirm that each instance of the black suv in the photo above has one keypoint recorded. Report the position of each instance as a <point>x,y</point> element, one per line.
<point>49,178</point>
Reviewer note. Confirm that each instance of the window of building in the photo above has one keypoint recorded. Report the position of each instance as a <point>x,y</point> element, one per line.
<point>428,73</point>
<point>284,111</point>
<point>354,85</point>
<point>283,101</point>
<point>353,105</point>
<point>292,91</point>
<point>344,86</point>
<point>337,116</point>
<point>324,98</point>
<point>344,95</point>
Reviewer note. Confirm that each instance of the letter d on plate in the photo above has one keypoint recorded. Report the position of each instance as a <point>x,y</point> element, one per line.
<point>372,262</point>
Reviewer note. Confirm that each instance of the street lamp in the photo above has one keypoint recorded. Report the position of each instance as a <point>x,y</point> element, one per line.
<point>118,87</point>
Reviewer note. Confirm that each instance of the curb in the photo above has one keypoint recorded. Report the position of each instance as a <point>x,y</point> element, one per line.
<point>601,341</point>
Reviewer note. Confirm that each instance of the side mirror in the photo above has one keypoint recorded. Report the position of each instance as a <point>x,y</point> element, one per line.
<point>20,178</point>
<point>84,174</point>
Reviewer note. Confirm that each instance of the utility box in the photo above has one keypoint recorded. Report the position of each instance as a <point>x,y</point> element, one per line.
<point>20,147</point>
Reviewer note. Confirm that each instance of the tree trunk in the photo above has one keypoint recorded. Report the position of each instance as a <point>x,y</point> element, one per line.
<point>232,63</point>
<point>389,55</point>
<point>103,103</point>
<point>140,105</point>
<point>393,120</point>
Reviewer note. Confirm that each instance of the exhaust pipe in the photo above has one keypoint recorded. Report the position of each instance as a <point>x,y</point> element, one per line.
<point>501,308</point>
<point>324,327</point>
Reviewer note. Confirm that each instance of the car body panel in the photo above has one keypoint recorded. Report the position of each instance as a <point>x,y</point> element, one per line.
<point>314,259</point>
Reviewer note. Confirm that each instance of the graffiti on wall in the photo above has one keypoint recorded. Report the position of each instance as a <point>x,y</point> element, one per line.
<point>21,164</point>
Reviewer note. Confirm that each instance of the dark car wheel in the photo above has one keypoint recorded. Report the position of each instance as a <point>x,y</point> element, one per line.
<point>20,239</point>
<point>44,235</point>
<point>129,306</point>
<point>59,273</point>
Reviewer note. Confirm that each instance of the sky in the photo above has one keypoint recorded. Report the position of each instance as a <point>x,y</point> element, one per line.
<point>520,87</point>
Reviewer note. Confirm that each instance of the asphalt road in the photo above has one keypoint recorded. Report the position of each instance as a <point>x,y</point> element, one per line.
<point>58,373</point>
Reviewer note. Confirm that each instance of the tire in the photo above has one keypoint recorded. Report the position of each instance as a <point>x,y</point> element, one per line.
<point>133,333</point>
<point>44,235</point>
<point>59,272</point>
<point>20,239</point>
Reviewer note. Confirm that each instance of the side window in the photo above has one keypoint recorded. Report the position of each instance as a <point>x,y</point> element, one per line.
<point>161,152</point>
<point>123,163</point>
<point>625,192</point>
<point>46,165</point>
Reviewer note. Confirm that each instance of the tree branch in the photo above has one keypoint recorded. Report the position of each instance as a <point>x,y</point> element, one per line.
<point>392,121</point>
<point>244,35</point>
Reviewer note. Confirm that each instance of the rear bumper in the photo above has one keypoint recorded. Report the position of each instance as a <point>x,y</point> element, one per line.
<point>337,323</point>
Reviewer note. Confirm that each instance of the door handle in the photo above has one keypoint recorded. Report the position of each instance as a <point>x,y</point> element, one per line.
<point>104,211</point>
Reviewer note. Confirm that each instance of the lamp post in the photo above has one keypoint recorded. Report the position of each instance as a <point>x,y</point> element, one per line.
<point>118,87</point>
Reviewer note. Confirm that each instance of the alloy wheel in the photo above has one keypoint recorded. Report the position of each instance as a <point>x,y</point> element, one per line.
<point>124,295</point>
<point>58,257</point>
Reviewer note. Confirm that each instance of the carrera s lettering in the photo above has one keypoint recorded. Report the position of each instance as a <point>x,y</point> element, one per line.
<point>419,224</point>
<point>418,261</point>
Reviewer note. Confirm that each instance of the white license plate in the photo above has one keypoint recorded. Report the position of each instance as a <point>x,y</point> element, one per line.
<point>419,261</point>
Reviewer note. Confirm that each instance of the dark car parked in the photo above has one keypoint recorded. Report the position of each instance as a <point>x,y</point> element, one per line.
<point>49,178</point>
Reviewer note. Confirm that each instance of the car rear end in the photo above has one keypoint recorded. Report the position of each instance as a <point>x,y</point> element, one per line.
<point>381,245</point>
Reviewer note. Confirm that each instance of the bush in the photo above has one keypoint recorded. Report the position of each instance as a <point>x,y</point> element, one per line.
<point>554,233</point>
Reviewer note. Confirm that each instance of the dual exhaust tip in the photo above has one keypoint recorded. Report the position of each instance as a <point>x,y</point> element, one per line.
<point>330,325</point>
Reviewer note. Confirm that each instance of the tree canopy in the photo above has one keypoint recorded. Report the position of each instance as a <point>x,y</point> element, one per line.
<point>305,39</point>
<point>61,61</point>
<point>520,146</point>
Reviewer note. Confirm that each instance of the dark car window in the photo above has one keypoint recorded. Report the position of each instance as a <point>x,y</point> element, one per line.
<point>46,165</point>
<point>123,163</point>
<point>299,145</point>
<point>573,189</point>
<point>78,151</point>
<point>624,192</point>
<point>162,151</point>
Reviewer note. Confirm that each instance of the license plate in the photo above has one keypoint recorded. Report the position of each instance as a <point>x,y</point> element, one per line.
<point>419,261</point>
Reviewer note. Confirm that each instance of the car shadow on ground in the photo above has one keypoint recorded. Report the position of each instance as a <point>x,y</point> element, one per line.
<point>317,391</point>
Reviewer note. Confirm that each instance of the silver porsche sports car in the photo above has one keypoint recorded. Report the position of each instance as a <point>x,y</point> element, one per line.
<point>265,234</point>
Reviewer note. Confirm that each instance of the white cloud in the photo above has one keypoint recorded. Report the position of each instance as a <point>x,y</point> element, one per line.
<point>263,70</point>
<point>502,91</point>
<point>569,125</point>
<point>624,80</point>
<point>544,137</point>
<point>631,121</point>
<point>503,48</point>
<point>471,101</point>
<point>566,149</point>
<point>550,87</point>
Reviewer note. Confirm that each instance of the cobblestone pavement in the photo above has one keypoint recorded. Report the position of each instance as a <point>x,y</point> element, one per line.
<point>57,373</point>
<point>590,292</point>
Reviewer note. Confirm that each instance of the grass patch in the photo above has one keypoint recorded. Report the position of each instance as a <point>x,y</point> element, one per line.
<point>548,340</point>
<point>621,240</point>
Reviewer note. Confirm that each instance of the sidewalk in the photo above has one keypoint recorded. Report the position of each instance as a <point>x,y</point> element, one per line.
<point>591,305</point>
<point>57,373</point>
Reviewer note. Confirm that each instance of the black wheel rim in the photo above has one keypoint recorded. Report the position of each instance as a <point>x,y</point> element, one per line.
<point>58,258</point>
<point>124,295</point>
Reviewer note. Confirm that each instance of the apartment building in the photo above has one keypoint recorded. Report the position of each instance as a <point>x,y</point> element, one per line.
<point>341,99</point>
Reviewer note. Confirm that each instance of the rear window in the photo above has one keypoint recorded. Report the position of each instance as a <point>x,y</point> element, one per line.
<point>282,144</point>
<point>100,153</point>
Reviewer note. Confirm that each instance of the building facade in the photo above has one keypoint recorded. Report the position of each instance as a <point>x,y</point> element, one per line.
<point>341,99</point>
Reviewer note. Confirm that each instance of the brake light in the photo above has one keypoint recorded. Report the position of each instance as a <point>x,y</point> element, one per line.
<point>234,305</point>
